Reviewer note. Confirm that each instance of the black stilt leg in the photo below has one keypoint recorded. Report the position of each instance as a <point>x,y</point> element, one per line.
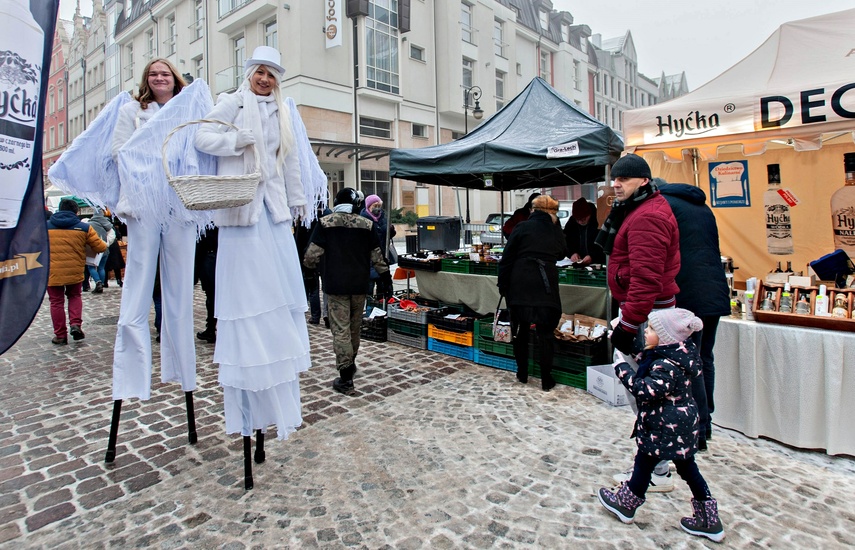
<point>259,447</point>
<point>247,462</point>
<point>191,417</point>
<point>114,431</point>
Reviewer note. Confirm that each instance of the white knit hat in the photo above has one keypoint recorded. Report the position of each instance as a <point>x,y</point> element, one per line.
<point>674,325</point>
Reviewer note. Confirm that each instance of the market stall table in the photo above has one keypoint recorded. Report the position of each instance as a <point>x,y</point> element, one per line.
<point>791,384</point>
<point>481,293</point>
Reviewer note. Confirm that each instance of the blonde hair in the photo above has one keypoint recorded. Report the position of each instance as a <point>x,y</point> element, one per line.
<point>286,135</point>
<point>145,95</point>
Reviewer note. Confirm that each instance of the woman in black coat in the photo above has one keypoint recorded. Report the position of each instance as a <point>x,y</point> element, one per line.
<point>528,279</point>
<point>580,231</point>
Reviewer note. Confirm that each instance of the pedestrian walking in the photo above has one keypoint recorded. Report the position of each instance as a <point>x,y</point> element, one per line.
<point>667,425</point>
<point>68,238</point>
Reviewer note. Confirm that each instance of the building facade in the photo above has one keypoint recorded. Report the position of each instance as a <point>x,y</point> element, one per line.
<point>56,120</point>
<point>367,75</point>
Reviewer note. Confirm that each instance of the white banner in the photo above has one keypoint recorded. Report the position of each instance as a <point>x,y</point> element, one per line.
<point>333,23</point>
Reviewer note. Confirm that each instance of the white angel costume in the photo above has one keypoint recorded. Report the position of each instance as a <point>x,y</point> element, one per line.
<point>158,225</point>
<point>262,340</point>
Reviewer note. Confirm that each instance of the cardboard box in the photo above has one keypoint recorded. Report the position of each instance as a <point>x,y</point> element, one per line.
<point>603,383</point>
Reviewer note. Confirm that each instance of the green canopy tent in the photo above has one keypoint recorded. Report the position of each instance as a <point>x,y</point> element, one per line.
<point>539,139</point>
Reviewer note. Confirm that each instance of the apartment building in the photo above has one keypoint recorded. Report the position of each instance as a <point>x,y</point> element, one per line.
<point>367,75</point>
<point>56,120</point>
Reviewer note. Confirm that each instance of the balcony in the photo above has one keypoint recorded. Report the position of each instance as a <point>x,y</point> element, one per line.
<point>228,79</point>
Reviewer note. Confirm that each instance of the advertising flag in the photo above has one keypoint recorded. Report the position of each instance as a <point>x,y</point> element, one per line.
<point>26,39</point>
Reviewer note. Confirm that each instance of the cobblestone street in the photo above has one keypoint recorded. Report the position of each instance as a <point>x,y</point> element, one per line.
<point>432,452</point>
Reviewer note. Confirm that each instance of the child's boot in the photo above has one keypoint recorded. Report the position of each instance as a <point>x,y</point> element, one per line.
<point>622,503</point>
<point>705,522</point>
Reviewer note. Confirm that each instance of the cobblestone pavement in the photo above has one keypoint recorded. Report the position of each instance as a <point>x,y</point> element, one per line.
<point>433,452</point>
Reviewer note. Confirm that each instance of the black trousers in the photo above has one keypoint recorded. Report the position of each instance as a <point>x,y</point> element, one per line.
<point>545,320</point>
<point>207,278</point>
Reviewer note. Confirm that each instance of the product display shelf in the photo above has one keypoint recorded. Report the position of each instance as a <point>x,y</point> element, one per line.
<point>463,352</point>
<point>809,320</point>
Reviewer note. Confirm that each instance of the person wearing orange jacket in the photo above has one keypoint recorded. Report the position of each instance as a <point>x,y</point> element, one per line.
<point>68,240</point>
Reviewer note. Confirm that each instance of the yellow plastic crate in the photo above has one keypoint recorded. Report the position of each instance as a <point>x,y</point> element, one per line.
<point>459,338</point>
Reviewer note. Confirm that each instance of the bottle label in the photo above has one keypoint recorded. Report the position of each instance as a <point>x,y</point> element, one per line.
<point>843,224</point>
<point>779,231</point>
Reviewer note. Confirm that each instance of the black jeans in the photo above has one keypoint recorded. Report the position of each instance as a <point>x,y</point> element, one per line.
<point>703,386</point>
<point>687,468</point>
<point>545,321</point>
<point>207,278</point>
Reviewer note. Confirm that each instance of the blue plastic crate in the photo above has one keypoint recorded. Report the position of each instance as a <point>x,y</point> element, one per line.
<point>495,361</point>
<point>463,352</point>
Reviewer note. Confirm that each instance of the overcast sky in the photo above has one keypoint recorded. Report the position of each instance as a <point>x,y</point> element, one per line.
<point>703,38</point>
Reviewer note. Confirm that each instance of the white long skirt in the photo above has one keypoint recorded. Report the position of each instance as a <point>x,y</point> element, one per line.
<point>262,339</point>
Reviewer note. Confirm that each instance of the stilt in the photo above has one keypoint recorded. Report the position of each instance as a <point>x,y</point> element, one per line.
<point>259,447</point>
<point>114,431</point>
<point>247,462</point>
<point>191,417</point>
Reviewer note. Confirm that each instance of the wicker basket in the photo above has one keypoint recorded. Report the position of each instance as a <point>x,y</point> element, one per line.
<point>207,192</point>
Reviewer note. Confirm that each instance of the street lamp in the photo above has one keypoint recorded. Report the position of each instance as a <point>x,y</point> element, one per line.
<point>478,113</point>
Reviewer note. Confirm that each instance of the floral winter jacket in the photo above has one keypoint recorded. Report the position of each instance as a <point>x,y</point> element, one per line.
<point>667,423</point>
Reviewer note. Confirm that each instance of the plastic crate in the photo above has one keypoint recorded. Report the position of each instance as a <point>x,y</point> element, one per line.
<point>419,342</point>
<point>583,277</point>
<point>569,377</point>
<point>464,324</point>
<point>373,329</point>
<point>595,349</point>
<point>566,276</point>
<point>418,317</point>
<point>495,361</point>
<point>406,328</point>
<point>575,356</point>
<point>454,350</point>
<point>496,348</point>
<point>420,264</point>
<point>455,265</point>
<point>454,337</point>
<point>484,268</point>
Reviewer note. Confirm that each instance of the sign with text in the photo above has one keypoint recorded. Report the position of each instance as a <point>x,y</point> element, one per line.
<point>729,184</point>
<point>332,23</point>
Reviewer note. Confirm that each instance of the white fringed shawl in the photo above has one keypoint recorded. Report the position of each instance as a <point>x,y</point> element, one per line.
<point>314,178</point>
<point>86,169</point>
<point>144,183</point>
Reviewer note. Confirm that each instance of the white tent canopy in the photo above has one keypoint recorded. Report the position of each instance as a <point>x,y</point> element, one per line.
<point>797,87</point>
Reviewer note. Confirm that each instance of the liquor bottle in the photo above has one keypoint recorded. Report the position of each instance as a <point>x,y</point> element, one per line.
<point>768,303</point>
<point>789,267</point>
<point>778,269</point>
<point>839,310</point>
<point>779,231</point>
<point>803,305</point>
<point>22,44</point>
<point>786,305</point>
<point>843,209</point>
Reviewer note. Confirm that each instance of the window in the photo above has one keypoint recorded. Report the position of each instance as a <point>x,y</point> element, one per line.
<point>455,135</point>
<point>60,96</point>
<point>129,61</point>
<point>619,90</point>
<point>374,128</point>
<point>599,111</point>
<point>239,56</point>
<point>519,69</point>
<point>61,134</point>
<point>271,35</point>
<point>129,4</point>
<point>149,43</point>
<point>227,6</point>
<point>612,86</point>
<point>376,182</point>
<point>500,90</point>
<point>468,68</point>
<point>381,46</point>
<point>544,20</point>
<point>546,66</point>
<point>417,53</point>
<point>198,19</point>
<point>52,138</point>
<point>419,130</point>
<point>170,35</point>
<point>198,68</point>
<point>577,75</point>
<point>51,103</point>
<point>498,38</point>
<point>565,33</point>
<point>466,23</point>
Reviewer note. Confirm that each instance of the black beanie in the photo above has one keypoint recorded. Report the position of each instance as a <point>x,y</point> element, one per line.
<point>348,195</point>
<point>631,166</point>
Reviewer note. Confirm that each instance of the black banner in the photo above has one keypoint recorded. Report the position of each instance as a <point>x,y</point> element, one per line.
<point>26,45</point>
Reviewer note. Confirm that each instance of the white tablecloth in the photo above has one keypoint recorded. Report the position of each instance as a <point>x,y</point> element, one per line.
<point>792,384</point>
<point>481,293</point>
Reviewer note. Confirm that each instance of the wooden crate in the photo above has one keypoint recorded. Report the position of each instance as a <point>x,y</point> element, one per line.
<point>810,320</point>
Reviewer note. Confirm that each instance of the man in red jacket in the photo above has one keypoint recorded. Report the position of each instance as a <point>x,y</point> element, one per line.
<point>643,243</point>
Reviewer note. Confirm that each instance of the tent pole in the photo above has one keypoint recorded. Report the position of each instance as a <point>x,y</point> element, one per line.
<point>501,217</point>
<point>695,167</point>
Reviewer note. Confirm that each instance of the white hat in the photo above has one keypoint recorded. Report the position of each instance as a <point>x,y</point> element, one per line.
<point>265,55</point>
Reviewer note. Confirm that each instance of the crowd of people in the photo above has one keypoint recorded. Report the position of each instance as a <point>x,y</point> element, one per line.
<point>659,241</point>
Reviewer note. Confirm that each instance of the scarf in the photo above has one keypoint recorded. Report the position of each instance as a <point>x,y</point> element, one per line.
<point>620,210</point>
<point>373,217</point>
<point>347,208</point>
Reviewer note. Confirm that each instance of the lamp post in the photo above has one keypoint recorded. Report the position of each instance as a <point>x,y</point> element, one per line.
<point>478,113</point>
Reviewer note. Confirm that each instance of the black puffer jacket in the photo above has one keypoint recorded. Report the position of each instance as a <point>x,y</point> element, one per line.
<point>534,247</point>
<point>703,286</point>
<point>667,423</point>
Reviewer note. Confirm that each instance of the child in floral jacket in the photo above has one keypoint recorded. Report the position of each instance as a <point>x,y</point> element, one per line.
<point>667,424</point>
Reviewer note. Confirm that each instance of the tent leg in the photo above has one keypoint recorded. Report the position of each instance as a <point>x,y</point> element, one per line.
<point>114,431</point>
<point>191,417</point>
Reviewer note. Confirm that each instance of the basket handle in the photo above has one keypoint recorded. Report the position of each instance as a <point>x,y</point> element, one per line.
<point>201,121</point>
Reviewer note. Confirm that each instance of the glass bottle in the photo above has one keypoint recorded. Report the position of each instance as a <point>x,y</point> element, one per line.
<point>789,267</point>
<point>843,209</point>
<point>840,310</point>
<point>768,303</point>
<point>779,231</point>
<point>803,305</point>
<point>786,305</point>
<point>778,269</point>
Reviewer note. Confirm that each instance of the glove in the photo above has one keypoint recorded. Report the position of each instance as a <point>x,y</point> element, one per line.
<point>384,285</point>
<point>622,339</point>
<point>244,137</point>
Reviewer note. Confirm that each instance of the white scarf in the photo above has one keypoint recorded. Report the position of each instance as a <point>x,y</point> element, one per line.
<point>252,121</point>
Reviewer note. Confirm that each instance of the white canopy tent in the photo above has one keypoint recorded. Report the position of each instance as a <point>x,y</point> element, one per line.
<point>792,101</point>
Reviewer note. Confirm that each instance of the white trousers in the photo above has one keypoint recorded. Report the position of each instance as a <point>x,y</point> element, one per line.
<point>132,355</point>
